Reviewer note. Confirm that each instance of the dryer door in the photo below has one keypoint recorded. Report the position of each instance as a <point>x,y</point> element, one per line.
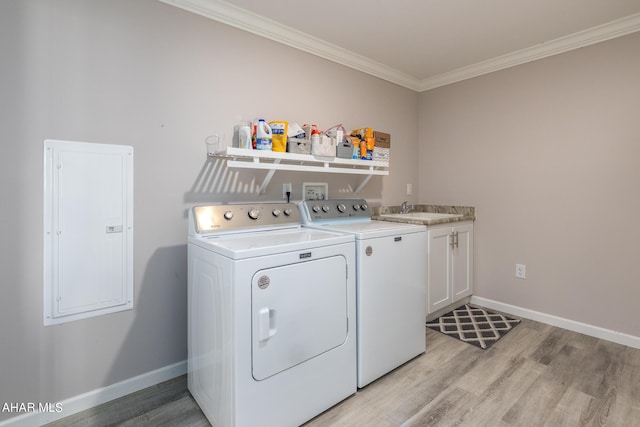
<point>299,311</point>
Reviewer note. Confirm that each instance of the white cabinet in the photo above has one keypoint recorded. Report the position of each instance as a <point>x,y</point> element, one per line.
<point>449,264</point>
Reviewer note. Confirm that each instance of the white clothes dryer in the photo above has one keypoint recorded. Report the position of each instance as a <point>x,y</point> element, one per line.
<point>271,323</point>
<point>390,282</point>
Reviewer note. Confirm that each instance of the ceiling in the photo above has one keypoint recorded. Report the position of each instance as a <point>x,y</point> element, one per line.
<point>422,44</point>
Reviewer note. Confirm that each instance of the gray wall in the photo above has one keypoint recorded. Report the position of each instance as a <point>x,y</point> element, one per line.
<point>549,153</point>
<point>146,74</point>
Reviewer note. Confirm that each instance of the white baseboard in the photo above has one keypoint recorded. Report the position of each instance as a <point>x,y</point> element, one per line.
<point>572,325</point>
<point>97,397</point>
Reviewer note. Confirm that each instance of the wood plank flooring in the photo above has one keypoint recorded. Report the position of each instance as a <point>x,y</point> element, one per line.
<point>537,375</point>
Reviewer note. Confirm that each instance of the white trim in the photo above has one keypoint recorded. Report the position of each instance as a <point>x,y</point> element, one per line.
<point>245,20</point>
<point>613,29</point>
<point>99,396</point>
<point>248,21</point>
<point>572,325</point>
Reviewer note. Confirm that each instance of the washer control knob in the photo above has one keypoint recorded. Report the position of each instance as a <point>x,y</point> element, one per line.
<point>342,208</point>
<point>276,212</point>
<point>254,214</point>
<point>325,208</point>
<point>364,206</point>
<point>287,211</point>
<point>356,207</point>
<point>228,215</point>
<point>315,208</point>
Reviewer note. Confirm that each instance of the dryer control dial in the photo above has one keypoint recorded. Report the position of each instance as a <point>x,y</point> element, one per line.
<point>276,212</point>
<point>315,208</point>
<point>254,213</point>
<point>364,206</point>
<point>356,207</point>
<point>325,208</point>
<point>228,215</point>
<point>342,208</point>
<point>287,211</point>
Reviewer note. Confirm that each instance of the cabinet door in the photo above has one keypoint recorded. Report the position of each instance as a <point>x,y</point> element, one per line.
<point>438,270</point>
<point>462,262</point>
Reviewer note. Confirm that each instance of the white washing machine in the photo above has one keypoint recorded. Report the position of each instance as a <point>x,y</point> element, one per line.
<point>390,283</point>
<point>271,331</point>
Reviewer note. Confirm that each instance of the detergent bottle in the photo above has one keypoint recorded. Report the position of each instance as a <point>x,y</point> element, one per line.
<point>263,136</point>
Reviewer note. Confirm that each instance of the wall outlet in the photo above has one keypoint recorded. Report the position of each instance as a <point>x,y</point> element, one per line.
<point>521,271</point>
<point>286,187</point>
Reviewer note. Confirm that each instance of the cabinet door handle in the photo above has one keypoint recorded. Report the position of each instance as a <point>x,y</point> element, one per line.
<point>454,239</point>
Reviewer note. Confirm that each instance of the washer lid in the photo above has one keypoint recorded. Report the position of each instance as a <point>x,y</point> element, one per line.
<point>371,229</point>
<point>268,242</point>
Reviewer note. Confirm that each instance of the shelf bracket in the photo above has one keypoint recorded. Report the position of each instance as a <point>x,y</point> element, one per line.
<point>267,178</point>
<point>364,182</point>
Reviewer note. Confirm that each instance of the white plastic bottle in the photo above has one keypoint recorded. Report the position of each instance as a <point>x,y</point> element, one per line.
<point>244,136</point>
<point>263,136</point>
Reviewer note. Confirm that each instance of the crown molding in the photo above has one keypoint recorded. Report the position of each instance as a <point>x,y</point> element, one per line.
<point>248,21</point>
<point>243,19</point>
<point>613,29</point>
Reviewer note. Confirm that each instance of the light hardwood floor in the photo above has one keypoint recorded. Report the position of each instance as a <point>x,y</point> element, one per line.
<point>537,375</point>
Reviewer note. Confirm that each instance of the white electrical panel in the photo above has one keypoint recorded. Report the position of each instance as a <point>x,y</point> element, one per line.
<point>88,230</point>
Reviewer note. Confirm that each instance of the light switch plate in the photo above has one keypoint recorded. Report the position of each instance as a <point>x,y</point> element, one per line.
<point>315,190</point>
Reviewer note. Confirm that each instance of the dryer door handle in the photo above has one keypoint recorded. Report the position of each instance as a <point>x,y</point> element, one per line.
<point>265,315</point>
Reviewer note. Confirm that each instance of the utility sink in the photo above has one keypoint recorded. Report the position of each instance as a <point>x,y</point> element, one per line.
<point>421,215</point>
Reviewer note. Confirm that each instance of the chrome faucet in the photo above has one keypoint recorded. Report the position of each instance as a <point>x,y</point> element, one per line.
<point>405,208</point>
